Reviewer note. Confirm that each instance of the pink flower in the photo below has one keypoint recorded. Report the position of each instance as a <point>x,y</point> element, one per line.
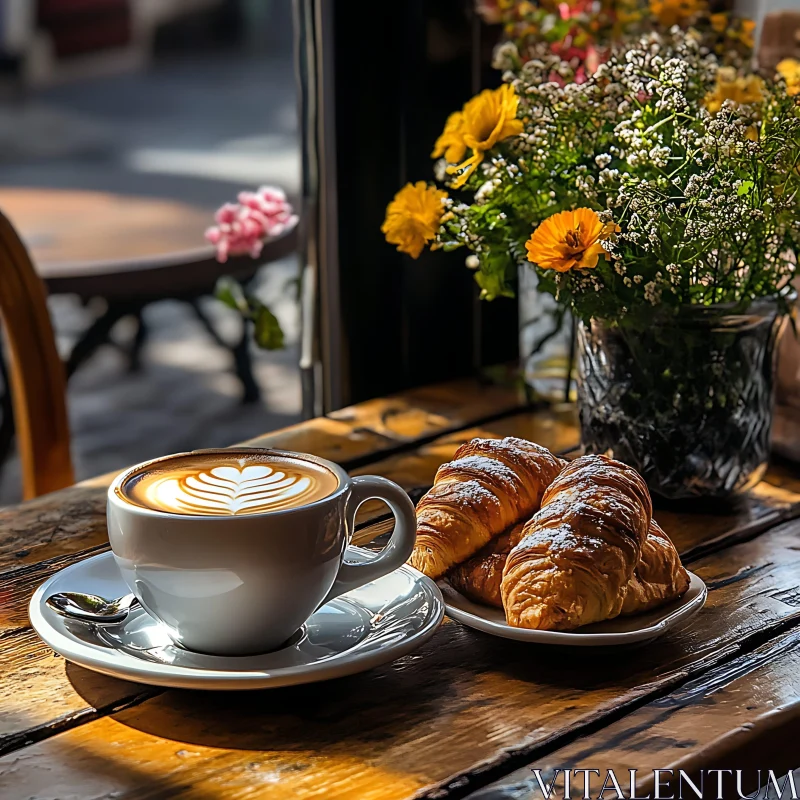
<point>243,227</point>
<point>490,11</point>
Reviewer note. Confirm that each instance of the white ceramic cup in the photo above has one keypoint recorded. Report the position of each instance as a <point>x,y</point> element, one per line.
<point>244,584</point>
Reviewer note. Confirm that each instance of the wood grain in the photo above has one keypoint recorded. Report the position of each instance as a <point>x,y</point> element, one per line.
<point>55,524</point>
<point>696,528</point>
<point>53,221</point>
<point>38,385</point>
<point>420,725</point>
<point>553,428</point>
<point>707,723</point>
<point>460,713</point>
<point>430,410</point>
<point>413,470</point>
<point>379,436</point>
<point>73,520</point>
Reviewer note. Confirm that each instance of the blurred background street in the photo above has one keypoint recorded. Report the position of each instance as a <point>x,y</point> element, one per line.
<point>199,116</point>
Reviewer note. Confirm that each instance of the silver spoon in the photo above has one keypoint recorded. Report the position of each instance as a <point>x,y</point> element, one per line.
<point>91,607</point>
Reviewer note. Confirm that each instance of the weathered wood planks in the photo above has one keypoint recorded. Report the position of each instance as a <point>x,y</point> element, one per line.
<point>74,519</point>
<point>413,469</point>
<point>44,677</point>
<point>461,712</point>
<point>466,710</point>
<point>707,723</point>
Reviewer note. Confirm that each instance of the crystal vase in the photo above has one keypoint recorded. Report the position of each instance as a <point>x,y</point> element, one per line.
<point>687,401</point>
<point>544,340</point>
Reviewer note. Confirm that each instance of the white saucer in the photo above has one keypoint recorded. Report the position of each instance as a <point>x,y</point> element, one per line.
<point>368,626</point>
<point>618,631</point>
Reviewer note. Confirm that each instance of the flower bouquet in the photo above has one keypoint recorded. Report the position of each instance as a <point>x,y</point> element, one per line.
<point>659,201</point>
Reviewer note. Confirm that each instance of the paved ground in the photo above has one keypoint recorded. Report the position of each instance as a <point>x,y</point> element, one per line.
<point>194,130</point>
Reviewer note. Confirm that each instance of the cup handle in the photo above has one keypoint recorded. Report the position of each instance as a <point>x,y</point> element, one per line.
<point>399,547</point>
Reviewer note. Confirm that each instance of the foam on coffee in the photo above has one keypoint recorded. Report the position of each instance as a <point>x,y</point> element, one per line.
<point>216,484</point>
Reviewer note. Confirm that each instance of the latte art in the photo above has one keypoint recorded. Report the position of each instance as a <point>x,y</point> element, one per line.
<point>227,490</point>
<point>231,486</point>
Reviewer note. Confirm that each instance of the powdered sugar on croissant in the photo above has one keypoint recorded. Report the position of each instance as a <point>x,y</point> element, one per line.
<point>579,552</point>
<point>491,485</point>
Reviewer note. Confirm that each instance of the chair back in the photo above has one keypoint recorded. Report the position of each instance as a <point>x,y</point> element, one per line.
<point>36,372</point>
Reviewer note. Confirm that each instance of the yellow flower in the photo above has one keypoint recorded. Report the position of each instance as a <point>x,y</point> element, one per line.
<point>675,12</point>
<point>746,34</point>
<point>570,240</point>
<point>789,70</point>
<point>413,217</point>
<point>451,142</point>
<point>741,89</point>
<point>485,120</point>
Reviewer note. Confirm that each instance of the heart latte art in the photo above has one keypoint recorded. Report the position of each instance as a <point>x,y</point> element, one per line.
<point>230,488</point>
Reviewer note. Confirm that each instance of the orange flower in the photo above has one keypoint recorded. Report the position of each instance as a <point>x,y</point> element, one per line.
<point>746,34</point>
<point>719,21</point>
<point>675,12</point>
<point>484,121</point>
<point>570,240</point>
<point>413,217</point>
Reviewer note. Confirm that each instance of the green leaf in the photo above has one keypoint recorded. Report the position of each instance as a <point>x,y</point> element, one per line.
<point>268,331</point>
<point>745,188</point>
<point>492,285</point>
<point>229,291</point>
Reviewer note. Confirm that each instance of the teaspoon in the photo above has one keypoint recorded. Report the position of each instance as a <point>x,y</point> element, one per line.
<point>91,607</point>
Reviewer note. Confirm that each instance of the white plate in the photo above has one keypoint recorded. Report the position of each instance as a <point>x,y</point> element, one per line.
<point>368,626</point>
<point>618,631</point>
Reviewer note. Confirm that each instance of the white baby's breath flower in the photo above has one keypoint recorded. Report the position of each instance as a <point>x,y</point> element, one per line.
<point>482,195</point>
<point>505,57</point>
<point>652,293</point>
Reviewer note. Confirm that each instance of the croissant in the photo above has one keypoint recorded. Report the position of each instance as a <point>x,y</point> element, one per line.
<point>658,577</point>
<point>579,551</point>
<point>491,485</point>
<point>478,578</point>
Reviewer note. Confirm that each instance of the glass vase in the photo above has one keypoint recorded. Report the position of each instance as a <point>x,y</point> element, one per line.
<point>688,401</point>
<point>545,344</point>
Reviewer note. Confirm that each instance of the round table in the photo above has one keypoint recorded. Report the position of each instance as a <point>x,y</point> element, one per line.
<point>130,251</point>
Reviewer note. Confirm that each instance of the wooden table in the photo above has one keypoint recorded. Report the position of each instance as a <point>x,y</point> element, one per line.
<point>467,715</point>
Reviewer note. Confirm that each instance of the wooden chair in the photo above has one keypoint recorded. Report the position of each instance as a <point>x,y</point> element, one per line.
<point>37,382</point>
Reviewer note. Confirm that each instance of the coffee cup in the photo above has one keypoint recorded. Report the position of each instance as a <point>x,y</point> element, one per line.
<point>233,549</point>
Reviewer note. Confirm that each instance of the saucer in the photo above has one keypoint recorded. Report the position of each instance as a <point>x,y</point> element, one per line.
<point>619,631</point>
<point>368,626</point>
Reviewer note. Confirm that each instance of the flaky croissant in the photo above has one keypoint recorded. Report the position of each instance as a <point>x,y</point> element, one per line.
<point>491,485</point>
<point>478,578</point>
<point>579,551</point>
<point>657,578</point>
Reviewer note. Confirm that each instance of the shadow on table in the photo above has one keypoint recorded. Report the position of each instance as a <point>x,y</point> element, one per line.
<point>331,715</point>
<point>446,683</point>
